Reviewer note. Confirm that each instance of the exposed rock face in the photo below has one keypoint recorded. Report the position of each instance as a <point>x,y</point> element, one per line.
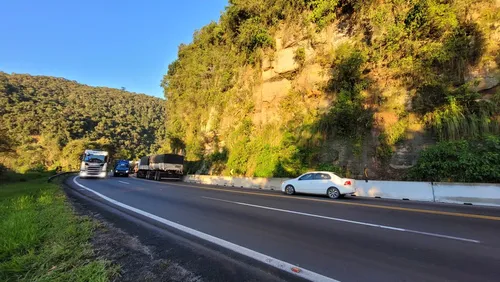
<point>311,78</point>
<point>486,77</point>
<point>268,74</point>
<point>267,98</point>
<point>281,74</point>
<point>285,61</point>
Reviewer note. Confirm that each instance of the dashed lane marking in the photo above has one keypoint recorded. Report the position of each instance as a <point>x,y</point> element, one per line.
<point>455,214</point>
<point>348,221</point>
<point>283,265</point>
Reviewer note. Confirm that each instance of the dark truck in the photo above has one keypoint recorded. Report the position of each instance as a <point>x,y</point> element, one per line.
<point>163,166</point>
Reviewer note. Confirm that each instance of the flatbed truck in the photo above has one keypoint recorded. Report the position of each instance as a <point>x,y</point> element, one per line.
<point>162,166</point>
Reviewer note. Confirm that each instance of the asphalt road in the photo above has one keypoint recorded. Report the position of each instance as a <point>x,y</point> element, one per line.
<point>351,239</point>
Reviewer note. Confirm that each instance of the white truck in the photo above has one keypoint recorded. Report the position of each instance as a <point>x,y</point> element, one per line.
<point>94,164</point>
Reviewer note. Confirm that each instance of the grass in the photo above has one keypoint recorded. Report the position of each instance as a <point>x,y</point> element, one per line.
<point>10,176</point>
<point>41,239</point>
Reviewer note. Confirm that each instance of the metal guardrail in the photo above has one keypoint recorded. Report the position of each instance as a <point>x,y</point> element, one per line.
<point>59,174</point>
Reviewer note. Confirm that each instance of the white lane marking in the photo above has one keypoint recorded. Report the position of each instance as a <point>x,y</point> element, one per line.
<point>285,266</point>
<point>123,182</point>
<point>348,221</point>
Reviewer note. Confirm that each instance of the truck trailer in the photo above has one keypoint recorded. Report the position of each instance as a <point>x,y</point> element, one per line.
<point>163,166</point>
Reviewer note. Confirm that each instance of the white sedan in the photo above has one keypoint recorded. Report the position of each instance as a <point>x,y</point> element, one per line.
<point>321,183</point>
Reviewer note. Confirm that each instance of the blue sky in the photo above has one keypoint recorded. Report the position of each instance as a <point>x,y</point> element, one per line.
<point>100,43</point>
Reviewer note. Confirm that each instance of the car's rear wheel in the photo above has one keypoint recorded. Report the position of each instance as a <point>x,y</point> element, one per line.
<point>289,190</point>
<point>333,193</point>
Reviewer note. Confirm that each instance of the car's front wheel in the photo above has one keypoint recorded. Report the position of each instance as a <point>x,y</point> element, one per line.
<point>289,190</point>
<point>333,193</point>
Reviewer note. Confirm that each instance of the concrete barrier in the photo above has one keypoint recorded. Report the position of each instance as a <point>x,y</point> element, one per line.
<point>401,190</point>
<point>459,193</point>
<point>468,193</point>
<point>241,182</point>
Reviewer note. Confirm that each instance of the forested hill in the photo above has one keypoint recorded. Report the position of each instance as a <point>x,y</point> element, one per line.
<point>46,121</point>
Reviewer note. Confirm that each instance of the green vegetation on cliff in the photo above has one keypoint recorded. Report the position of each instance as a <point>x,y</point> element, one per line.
<point>46,122</point>
<point>460,161</point>
<point>397,70</point>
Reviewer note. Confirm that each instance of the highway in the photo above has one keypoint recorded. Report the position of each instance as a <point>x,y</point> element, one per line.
<point>351,239</point>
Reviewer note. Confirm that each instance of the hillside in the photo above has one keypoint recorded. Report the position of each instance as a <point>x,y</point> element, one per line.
<point>275,88</point>
<point>46,122</point>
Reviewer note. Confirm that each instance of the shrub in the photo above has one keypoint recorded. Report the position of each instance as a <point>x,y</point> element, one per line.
<point>267,160</point>
<point>463,48</point>
<point>3,169</point>
<point>476,160</point>
<point>300,56</point>
<point>347,117</point>
<point>331,168</point>
<point>323,11</point>
<point>429,97</point>
<point>253,34</point>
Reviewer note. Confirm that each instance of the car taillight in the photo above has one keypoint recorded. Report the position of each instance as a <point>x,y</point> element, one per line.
<point>348,182</point>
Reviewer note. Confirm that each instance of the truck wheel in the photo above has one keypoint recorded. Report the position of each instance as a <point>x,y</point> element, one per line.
<point>158,176</point>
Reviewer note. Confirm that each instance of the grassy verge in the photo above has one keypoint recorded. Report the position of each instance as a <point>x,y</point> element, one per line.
<point>41,239</point>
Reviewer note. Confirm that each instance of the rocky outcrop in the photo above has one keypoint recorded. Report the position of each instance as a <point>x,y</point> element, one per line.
<point>281,74</point>
<point>285,61</point>
<point>267,98</point>
<point>484,78</point>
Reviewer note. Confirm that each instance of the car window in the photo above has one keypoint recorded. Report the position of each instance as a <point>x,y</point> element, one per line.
<point>321,176</point>
<point>306,176</point>
<point>325,176</point>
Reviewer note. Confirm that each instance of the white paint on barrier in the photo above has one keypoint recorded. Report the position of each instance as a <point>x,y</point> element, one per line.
<point>349,221</point>
<point>242,182</point>
<point>283,265</point>
<point>417,191</point>
<point>468,193</point>
<point>458,193</point>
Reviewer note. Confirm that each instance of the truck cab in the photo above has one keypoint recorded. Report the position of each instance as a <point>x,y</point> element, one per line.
<point>94,164</point>
<point>122,168</point>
